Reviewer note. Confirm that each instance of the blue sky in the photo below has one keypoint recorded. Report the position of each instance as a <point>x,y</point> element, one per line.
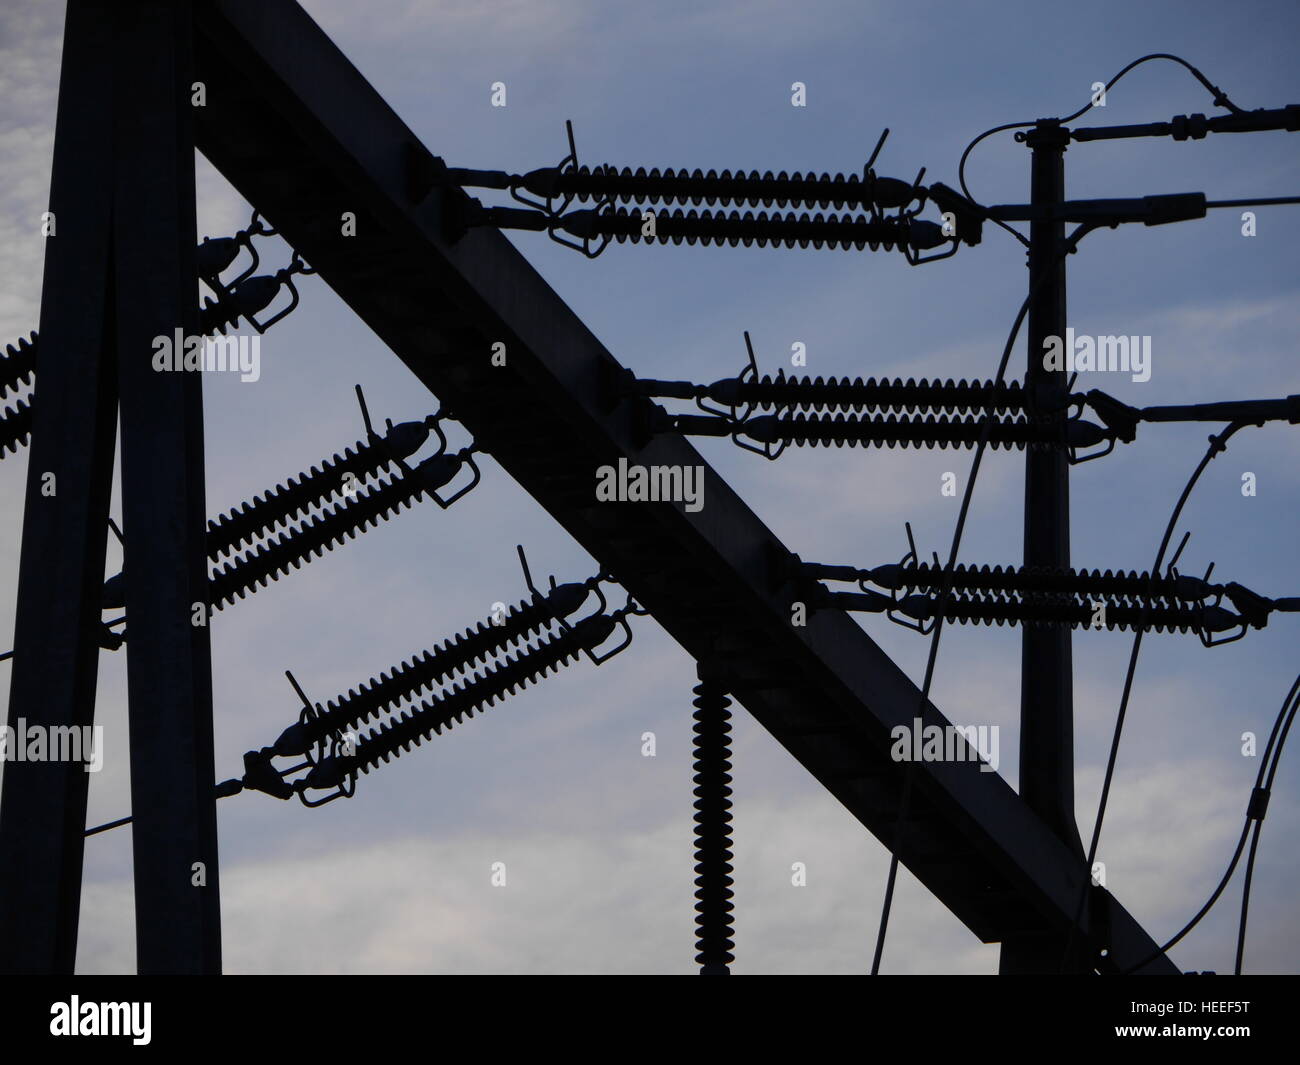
<point>597,839</point>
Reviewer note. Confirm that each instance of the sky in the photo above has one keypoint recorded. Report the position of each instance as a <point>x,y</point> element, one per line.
<point>597,839</point>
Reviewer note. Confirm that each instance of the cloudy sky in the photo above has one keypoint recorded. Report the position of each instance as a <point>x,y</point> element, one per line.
<point>597,840</point>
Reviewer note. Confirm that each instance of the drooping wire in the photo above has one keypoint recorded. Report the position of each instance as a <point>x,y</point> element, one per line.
<point>1217,444</point>
<point>1283,720</point>
<point>1259,805</point>
<point>1220,100</point>
<point>1070,243</point>
<point>1245,898</point>
<point>961,175</point>
<point>1220,97</point>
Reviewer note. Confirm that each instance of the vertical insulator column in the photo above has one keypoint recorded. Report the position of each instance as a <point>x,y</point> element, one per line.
<point>713,894</point>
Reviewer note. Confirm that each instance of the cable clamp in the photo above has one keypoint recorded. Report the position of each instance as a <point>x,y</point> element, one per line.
<point>1258,804</point>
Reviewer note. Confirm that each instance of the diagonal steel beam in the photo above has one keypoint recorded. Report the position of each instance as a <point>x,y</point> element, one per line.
<point>302,135</point>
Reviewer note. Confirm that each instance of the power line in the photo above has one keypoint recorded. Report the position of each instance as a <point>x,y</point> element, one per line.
<point>1291,702</point>
<point>1269,202</point>
<point>1258,807</point>
<point>1220,99</point>
<point>1217,444</point>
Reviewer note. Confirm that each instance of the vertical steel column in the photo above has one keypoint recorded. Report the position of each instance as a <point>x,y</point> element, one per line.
<point>119,273</point>
<point>169,672</point>
<point>1046,667</point>
<point>65,518</point>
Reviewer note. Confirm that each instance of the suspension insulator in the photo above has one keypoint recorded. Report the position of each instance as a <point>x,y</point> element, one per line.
<point>18,363</point>
<point>15,427</point>
<point>925,576</point>
<point>788,230</point>
<point>935,430</point>
<point>713,854</point>
<point>433,716</point>
<point>1066,610</point>
<point>277,556</point>
<point>725,187</point>
<point>430,667</point>
<point>843,393</point>
<point>297,495</point>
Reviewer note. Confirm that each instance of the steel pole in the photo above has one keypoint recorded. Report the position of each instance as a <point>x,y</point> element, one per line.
<point>169,671</point>
<point>1046,667</point>
<point>65,521</point>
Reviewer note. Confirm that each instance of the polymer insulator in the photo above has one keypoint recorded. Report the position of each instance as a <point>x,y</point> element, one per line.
<point>761,228</point>
<point>929,577</point>
<point>15,427</point>
<point>311,539</point>
<point>433,716</point>
<point>843,393</point>
<point>215,316</point>
<point>430,667</point>
<point>1066,610</point>
<point>18,363</point>
<point>851,430</point>
<point>713,853</point>
<point>725,187</point>
<point>20,360</point>
<point>286,501</point>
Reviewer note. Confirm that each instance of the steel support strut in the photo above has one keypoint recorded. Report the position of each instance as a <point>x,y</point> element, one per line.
<point>169,670</point>
<point>120,272</point>
<point>65,519</point>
